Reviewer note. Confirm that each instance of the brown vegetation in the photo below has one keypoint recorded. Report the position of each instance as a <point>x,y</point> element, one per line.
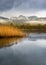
<point>7,30</point>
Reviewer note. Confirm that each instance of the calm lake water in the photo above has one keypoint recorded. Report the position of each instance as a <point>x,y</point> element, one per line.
<point>28,51</point>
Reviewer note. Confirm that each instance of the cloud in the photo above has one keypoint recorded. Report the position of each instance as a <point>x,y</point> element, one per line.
<point>22,5</point>
<point>6,4</point>
<point>26,5</point>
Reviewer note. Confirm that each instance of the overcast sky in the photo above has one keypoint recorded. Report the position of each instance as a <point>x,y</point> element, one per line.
<point>11,8</point>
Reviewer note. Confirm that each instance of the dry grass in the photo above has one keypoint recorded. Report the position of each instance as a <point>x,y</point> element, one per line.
<point>7,30</point>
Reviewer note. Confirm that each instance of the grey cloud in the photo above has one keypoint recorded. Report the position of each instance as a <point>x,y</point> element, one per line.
<point>32,5</point>
<point>6,4</point>
<point>22,5</point>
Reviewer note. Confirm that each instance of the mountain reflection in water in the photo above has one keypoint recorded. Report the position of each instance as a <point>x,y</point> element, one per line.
<point>26,52</point>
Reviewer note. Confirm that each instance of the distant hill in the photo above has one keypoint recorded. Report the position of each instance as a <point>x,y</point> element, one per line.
<point>24,18</point>
<point>3,19</point>
<point>21,19</point>
<point>32,17</point>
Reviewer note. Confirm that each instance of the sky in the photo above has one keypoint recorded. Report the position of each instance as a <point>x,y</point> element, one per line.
<point>10,8</point>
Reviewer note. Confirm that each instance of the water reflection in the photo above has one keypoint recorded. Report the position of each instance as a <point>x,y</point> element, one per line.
<point>9,41</point>
<point>26,52</point>
<point>36,36</point>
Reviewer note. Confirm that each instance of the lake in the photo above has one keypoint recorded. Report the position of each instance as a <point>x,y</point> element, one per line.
<point>28,51</point>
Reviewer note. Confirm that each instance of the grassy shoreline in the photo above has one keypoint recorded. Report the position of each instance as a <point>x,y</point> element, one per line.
<point>13,30</point>
<point>32,28</point>
<point>10,31</point>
